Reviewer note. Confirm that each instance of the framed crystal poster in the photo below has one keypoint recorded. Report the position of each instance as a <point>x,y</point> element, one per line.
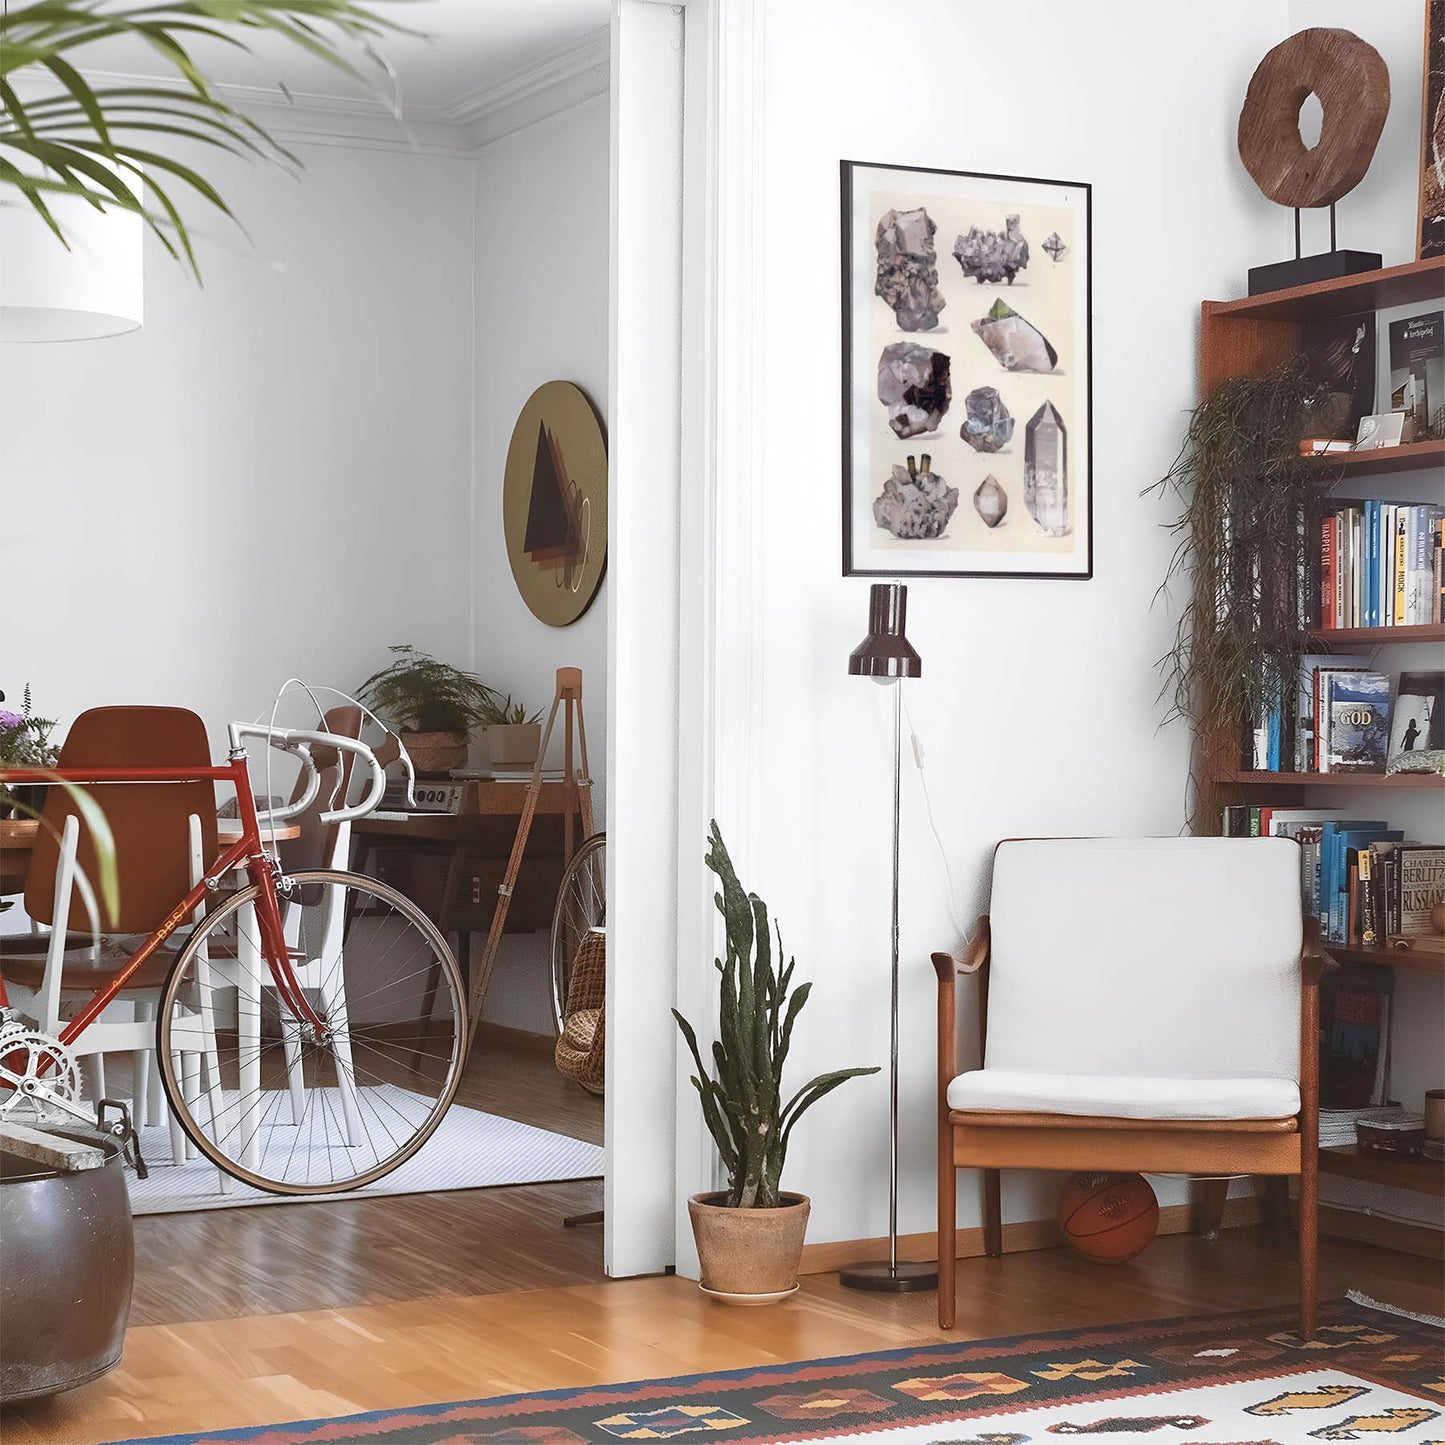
<point>967,427</point>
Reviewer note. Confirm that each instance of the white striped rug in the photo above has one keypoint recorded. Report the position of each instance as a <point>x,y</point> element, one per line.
<point>470,1150</point>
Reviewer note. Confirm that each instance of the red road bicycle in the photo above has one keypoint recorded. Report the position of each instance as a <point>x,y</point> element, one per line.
<point>311,1028</point>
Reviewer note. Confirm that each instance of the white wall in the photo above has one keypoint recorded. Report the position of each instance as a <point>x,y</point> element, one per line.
<point>302,420</point>
<point>1038,702</point>
<point>541,277</point>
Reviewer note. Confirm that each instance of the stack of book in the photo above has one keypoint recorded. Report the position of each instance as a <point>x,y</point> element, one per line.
<point>1361,878</point>
<point>1379,565</point>
<point>1337,1126</point>
<point>1347,718</point>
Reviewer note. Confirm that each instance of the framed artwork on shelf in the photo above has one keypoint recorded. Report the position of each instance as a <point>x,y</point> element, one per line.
<point>967,404</point>
<point>1432,137</point>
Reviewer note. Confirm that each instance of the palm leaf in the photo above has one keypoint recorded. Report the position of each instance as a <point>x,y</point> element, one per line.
<point>56,142</point>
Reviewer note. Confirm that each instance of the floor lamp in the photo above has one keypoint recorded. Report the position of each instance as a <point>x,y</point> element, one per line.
<point>886,656</point>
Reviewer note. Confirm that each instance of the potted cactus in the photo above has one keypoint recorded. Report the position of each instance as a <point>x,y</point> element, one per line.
<point>750,1235</point>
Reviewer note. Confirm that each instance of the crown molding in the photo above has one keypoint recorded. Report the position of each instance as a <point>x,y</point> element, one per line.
<point>578,60</point>
<point>561,80</point>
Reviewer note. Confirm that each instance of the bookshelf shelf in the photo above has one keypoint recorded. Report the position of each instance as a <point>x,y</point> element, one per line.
<point>1330,780</point>
<point>1367,291</point>
<point>1408,457</point>
<point>1420,962</point>
<point>1376,636</point>
<point>1414,1172</point>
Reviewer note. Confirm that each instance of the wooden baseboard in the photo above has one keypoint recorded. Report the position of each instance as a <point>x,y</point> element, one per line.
<point>1387,1233</point>
<point>1022,1235</point>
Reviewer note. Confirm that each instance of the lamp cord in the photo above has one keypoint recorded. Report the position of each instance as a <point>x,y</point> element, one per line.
<point>916,747</point>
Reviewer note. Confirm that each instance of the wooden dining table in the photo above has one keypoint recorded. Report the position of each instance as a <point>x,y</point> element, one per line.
<point>18,835</point>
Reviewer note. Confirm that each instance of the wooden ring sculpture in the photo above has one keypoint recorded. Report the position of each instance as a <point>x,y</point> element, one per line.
<point>1353,86</point>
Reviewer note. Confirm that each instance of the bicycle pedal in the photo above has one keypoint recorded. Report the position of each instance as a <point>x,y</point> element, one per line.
<point>125,1131</point>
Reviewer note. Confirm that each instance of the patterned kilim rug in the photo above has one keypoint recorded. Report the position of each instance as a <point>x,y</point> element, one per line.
<point>1238,1379</point>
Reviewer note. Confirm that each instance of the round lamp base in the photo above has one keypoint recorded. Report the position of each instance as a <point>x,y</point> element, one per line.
<point>882,1278</point>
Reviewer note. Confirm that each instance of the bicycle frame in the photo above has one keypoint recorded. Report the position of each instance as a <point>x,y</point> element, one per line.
<point>248,850</point>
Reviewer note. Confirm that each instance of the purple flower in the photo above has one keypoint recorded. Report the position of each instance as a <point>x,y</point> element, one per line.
<point>11,719</point>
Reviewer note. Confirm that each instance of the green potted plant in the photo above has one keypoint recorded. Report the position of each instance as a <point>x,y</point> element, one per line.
<point>750,1235</point>
<point>513,738</point>
<point>24,743</point>
<point>434,704</point>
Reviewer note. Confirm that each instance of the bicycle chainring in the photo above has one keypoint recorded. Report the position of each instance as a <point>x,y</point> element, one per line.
<point>28,1054</point>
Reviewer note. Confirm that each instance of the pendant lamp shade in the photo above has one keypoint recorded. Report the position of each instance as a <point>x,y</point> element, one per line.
<point>49,293</point>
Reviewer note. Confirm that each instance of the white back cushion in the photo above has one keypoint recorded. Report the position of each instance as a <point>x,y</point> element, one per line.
<point>1168,957</point>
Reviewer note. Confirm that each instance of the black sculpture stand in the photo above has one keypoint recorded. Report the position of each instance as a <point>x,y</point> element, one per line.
<point>1307,270</point>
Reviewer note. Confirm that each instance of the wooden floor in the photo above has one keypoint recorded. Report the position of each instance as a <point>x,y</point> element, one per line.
<point>257,1316</point>
<point>266,1369</point>
<point>225,1263</point>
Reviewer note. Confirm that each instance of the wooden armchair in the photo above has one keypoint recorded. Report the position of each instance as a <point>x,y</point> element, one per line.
<point>1144,1004</point>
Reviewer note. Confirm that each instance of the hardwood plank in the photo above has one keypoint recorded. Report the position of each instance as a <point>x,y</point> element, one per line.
<point>240,1372</point>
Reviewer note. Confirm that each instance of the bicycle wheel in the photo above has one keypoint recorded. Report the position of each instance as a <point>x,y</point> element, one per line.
<point>581,904</point>
<point>287,1108</point>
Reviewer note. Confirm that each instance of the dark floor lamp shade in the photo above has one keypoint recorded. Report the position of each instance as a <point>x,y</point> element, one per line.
<point>886,651</point>
<point>887,656</point>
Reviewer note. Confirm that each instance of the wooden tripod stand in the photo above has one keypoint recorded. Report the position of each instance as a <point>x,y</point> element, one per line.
<point>577,781</point>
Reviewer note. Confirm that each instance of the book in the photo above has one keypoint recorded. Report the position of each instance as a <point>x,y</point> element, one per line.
<point>1417,369</point>
<point>1339,352</point>
<point>1355,714</point>
<point>1417,721</point>
<point>1305,759</point>
<point>1355,1038</point>
<point>1420,563</point>
<point>1419,884</point>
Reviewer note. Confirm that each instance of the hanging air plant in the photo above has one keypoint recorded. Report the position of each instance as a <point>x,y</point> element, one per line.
<point>1247,494</point>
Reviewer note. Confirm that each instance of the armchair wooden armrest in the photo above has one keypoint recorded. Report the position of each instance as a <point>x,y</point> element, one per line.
<point>974,958</point>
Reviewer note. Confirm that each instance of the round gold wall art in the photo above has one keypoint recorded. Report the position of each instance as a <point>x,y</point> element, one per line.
<point>554,503</point>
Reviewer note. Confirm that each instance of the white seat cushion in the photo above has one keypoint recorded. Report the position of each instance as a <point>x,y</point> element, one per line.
<point>1117,1097</point>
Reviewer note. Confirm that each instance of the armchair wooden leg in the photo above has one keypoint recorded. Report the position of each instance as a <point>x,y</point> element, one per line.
<point>947,1218</point>
<point>1206,1198</point>
<point>1308,1244</point>
<point>992,1214</point>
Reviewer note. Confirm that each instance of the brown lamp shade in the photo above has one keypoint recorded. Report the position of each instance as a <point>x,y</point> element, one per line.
<point>886,652</point>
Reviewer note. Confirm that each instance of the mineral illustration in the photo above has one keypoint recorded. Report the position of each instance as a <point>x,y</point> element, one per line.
<point>908,268</point>
<point>993,255</point>
<point>987,426</point>
<point>1046,470</point>
<point>913,384</point>
<point>915,503</point>
<point>1054,245</point>
<point>1016,344</point>
<point>990,501</point>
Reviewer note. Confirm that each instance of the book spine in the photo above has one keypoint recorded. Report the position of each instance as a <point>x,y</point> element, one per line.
<point>1327,574</point>
<point>1322,722</point>
<point>1254,822</point>
<point>1385,600</point>
<point>1398,604</point>
<point>1437,613</point>
<point>1372,563</point>
<point>1369,934</point>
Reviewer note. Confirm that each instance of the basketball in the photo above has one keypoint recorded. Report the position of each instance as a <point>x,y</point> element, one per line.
<point>1108,1217</point>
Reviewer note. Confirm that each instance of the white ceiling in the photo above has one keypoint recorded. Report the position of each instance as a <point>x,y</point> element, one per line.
<point>470,47</point>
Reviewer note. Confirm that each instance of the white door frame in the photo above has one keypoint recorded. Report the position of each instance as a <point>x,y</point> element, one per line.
<point>685,594</point>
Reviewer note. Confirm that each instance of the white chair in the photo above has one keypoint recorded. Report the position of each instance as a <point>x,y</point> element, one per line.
<point>1145,1004</point>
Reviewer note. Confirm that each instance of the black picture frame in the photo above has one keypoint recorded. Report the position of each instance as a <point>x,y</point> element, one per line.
<point>858,265</point>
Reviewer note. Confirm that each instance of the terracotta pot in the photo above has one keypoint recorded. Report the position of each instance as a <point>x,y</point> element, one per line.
<point>749,1251</point>
<point>513,745</point>
<point>434,755</point>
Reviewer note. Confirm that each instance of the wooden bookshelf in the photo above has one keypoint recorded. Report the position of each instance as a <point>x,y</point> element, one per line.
<point>1424,456</point>
<point>1379,636</point>
<point>1253,336</point>
<point>1415,281</point>
<point>1421,961</point>
<point>1248,779</point>
<point>1414,1172</point>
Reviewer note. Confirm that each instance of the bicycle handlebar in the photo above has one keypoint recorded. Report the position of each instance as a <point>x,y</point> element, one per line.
<point>300,741</point>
